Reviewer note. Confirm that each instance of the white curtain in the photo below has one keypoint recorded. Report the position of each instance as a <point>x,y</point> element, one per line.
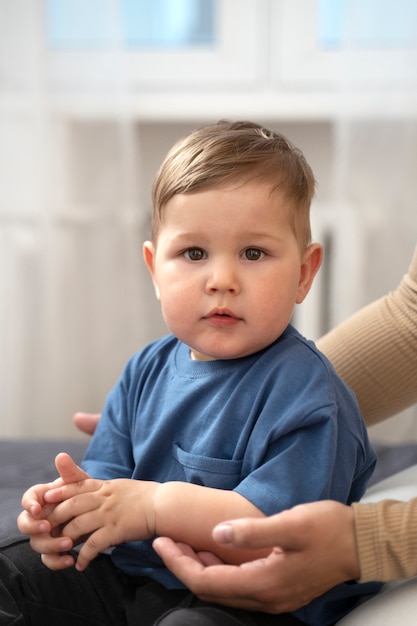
<point>75,301</point>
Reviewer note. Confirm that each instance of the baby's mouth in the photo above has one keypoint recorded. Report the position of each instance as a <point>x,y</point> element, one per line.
<point>222,317</point>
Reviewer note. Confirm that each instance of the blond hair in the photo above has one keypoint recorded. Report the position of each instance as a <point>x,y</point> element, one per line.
<point>227,152</point>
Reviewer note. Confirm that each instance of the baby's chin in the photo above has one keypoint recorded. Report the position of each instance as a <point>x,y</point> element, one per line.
<point>223,355</point>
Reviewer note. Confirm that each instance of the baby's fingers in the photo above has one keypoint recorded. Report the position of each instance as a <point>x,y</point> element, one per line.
<point>33,499</point>
<point>29,525</point>
<point>98,542</point>
<point>57,561</point>
<point>51,546</point>
<point>60,493</point>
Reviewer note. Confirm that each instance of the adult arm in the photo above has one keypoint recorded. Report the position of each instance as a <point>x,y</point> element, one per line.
<point>386,539</point>
<point>375,351</point>
<point>300,569</point>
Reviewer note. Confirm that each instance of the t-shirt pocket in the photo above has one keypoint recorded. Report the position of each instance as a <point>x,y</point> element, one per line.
<point>208,471</point>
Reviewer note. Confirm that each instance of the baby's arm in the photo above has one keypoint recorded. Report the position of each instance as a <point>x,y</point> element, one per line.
<point>110,512</point>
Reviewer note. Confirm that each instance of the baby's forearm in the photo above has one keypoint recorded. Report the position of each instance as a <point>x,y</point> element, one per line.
<point>110,512</point>
<point>187,513</point>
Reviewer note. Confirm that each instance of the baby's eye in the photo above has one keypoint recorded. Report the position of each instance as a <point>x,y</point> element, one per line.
<point>253,254</point>
<point>194,254</point>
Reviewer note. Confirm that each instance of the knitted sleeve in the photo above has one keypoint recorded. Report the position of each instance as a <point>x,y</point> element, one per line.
<point>386,539</point>
<point>375,351</point>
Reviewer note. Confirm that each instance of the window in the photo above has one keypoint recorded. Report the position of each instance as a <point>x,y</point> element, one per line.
<point>383,24</point>
<point>363,43</point>
<point>147,45</point>
<point>130,23</point>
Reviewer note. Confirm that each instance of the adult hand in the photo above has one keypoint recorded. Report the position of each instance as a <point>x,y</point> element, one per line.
<point>313,548</point>
<point>86,422</point>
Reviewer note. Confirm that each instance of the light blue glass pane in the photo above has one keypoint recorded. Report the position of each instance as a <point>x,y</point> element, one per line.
<point>330,22</point>
<point>363,24</point>
<point>134,23</point>
<point>169,22</point>
<point>79,23</point>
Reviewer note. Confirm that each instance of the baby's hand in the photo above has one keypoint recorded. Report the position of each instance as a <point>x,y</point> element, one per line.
<point>105,512</point>
<point>35,520</point>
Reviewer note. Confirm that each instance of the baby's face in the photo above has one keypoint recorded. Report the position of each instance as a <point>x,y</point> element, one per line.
<point>226,269</point>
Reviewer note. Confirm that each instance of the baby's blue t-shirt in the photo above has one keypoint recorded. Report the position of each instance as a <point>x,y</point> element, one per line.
<point>279,427</point>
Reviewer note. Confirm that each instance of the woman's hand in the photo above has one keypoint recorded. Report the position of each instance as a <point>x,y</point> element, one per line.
<point>86,422</point>
<point>313,548</point>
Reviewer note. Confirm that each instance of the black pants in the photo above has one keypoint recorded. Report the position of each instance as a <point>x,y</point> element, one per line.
<point>33,595</point>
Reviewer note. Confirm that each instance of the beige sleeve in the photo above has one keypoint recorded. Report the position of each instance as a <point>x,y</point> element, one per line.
<point>375,351</point>
<point>387,539</point>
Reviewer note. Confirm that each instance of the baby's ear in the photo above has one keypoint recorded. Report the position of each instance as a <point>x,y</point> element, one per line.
<point>149,258</point>
<point>310,265</point>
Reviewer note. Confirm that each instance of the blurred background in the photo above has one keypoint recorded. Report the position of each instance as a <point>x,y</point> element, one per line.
<point>92,95</point>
